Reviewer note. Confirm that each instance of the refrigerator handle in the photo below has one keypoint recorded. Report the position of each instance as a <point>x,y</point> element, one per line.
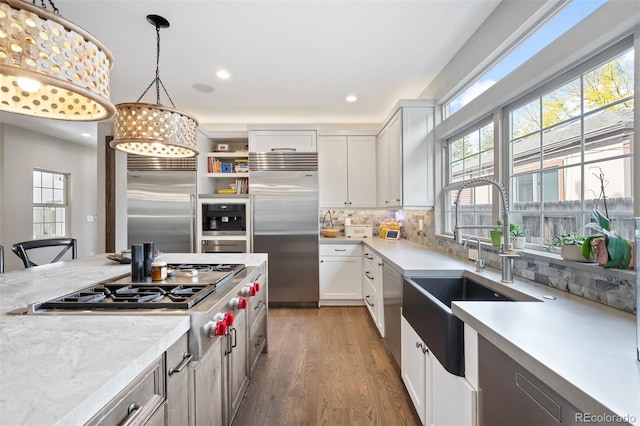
<point>251,221</point>
<point>192,228</point>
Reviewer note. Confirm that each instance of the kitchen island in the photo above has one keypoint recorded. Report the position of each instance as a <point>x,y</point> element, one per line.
<point>62,369</point>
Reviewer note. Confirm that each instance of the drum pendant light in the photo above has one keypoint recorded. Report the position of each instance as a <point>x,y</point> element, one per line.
<point>50,67</point>
<point>153,129</point>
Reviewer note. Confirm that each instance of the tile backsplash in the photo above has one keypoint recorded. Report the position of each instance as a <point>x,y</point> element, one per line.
<point>610,287</point>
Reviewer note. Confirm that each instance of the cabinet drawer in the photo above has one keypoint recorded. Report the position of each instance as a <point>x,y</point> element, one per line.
<point>141,398</point>
<point>340,250</point>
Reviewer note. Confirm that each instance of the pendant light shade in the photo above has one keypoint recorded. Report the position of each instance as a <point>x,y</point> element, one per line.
<point>50,67</point>
<point>153,129</point>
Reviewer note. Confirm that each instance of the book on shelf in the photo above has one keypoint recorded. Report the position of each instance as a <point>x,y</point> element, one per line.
<point>242,186</point>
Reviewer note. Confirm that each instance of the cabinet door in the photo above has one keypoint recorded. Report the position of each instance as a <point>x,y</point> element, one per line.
<point>382,168</point>
<point>413,368</point>
<point>454,400</point>
<point>332,171</point>
<point>340,278</point>
<point>282,140</point>
<point>361,171</point>
<point>395,160</point>
<point>177,384</point>
<point>238,361</point>
<point>206,387</point>
<point>417,157</point>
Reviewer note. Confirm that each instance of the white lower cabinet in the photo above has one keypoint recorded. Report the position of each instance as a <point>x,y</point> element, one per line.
<point>454,400</point>
<point>440,398</point>
<point>415,369</point>
<point>340,274</point>
<point>372,288</point>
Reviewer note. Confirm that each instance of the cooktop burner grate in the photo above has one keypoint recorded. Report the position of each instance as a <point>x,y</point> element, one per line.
<point>133,296</point>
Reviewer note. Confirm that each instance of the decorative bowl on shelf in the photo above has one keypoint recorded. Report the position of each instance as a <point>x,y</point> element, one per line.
<point>330,232</point>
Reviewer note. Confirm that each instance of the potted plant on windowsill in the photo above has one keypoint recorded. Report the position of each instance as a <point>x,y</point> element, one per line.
<point>612,250</point>
<point>517,236</point>
<point>570,246</point>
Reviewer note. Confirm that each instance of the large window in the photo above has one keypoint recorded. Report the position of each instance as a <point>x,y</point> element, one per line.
<point>50,204</point>
<point>469,156</point>
<point>561,22</point>
<point>571,150</point>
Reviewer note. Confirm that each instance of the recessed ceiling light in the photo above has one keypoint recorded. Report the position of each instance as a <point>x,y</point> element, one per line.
<point>86,135</point>
<point>204,88</point>
<point>223,74</point>
<point>351,98</point>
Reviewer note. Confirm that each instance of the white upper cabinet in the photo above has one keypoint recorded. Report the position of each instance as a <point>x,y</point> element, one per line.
<point>405,159</point>
<point>282,141</point>
<point>347,172</point>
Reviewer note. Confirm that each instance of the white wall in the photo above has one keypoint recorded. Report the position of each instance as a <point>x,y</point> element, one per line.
<point>22,151</point>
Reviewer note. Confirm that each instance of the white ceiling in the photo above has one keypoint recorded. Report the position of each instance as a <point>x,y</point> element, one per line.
<point>290,61</point>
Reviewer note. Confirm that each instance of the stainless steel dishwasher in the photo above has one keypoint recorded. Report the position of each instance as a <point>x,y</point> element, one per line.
<point>510,395</point>
<point>392,301</point>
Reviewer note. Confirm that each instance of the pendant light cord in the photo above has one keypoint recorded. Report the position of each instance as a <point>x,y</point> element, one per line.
<point>157,80</point>
<point>44,6</point>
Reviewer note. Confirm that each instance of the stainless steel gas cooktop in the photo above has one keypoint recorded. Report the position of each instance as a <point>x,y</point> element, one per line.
<point>185,286</point>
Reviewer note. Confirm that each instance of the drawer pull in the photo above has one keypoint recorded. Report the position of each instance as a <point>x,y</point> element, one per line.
<point>369,276</point>
<point>368,256</point>
<point>186,359</point>
<point>339,249</point>
<point>367,300</point>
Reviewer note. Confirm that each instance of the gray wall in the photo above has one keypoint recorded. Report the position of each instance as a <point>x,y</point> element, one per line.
<point>22,151</point>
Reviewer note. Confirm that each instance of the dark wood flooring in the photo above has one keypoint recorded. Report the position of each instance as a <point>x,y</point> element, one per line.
<point>325,366</point>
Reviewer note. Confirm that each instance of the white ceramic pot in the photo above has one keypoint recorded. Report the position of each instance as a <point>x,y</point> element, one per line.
<point>518,242</point>
<point>573,253</point>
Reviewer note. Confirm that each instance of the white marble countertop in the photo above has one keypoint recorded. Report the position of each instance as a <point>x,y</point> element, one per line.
<point>584,350</point>
<point>61,369</point>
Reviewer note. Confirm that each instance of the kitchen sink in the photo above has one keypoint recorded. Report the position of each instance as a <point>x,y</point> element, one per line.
<point>426,304</point>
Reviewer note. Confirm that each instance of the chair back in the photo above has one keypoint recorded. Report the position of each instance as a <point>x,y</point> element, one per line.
<point>20,249</point>
<point>1,259</point>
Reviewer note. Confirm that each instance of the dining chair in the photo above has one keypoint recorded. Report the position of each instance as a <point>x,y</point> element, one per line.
<point>20,249</point>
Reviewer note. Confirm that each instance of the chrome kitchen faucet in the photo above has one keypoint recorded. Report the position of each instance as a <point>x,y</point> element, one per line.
<point>506,251</point>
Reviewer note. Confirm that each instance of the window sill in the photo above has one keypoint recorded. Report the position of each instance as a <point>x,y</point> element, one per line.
<point>552,258</point>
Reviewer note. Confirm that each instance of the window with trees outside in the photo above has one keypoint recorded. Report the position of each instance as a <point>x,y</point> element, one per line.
<point>571,150</point>
<point>469,156</point>
<point>50,204</point>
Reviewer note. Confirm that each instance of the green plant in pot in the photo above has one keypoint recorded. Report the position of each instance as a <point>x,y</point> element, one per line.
<point>612,249</point>
<point>570,246</point>
<point>517,236</point>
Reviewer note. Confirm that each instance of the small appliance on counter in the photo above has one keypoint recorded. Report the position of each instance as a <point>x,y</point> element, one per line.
<point>358,231</point>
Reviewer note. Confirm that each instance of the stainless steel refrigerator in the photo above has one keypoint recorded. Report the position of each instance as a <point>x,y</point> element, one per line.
<point>161,203</point>
<point>284,202</point>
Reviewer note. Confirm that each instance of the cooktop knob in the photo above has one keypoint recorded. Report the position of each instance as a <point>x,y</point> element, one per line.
<point>238,303</point>
<point>256,286</point>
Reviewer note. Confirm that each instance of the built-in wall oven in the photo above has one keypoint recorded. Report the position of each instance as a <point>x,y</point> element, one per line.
<point>224,225</point>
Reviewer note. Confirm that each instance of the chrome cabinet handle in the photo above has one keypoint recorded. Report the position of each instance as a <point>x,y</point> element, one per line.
<point>424,350</point>
<point>235,337</point>
<point>283,149</point>
<point>368,256</point>
<point>186,359</point>
<point>366,298</point>
<point>418,345</point>
<point>339,249</point>
<point>369,276</point>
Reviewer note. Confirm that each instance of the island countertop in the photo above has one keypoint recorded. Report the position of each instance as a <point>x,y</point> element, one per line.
<point>62,369</point>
